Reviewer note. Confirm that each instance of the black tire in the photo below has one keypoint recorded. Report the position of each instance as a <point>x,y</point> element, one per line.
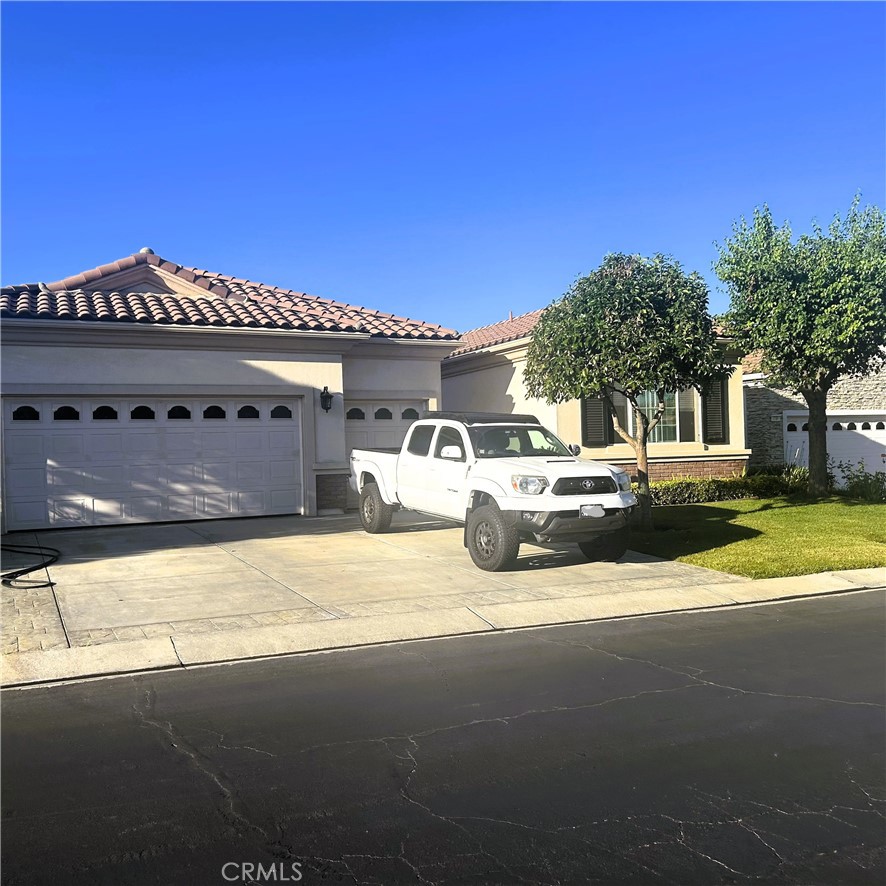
<point>492,543</point>
<point>375,513</point>
<point>607,548</point>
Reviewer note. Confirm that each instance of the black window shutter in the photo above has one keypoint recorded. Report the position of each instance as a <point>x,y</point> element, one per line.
<point>596,423</point>
<point>715,413</point>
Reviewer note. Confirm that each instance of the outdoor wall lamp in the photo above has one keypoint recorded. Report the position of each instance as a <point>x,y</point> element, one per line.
<point>325,399</point>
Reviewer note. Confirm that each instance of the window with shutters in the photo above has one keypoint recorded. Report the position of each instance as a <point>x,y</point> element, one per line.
<point>677,424</point>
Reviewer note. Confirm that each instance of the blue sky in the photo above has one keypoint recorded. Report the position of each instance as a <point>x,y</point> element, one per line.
<point>450,162</point>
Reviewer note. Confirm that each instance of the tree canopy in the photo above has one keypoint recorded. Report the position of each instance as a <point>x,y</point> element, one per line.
<point>814,307</point>
<point>633,325</point>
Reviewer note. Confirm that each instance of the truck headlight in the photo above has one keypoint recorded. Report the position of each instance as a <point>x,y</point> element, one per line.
<point>623,481</point>
<point>528,485</point>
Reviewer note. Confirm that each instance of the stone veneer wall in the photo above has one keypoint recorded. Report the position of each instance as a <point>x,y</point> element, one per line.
<point>332,492</point>
<point>765,436</point>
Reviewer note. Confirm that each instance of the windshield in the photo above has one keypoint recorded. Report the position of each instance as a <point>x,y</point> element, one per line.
<point>513,441</point>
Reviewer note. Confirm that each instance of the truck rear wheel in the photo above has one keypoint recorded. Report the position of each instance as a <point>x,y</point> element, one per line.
<point>607,548</point>
<point>492,543</point>
<point>375,513</point>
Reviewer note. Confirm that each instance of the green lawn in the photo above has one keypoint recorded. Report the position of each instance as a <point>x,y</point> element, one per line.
<point>766,538</point>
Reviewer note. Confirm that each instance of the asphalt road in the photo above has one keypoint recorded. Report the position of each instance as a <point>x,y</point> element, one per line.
<point>741,746</point>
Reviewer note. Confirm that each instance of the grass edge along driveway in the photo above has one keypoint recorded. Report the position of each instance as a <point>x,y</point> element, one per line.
<point>769,538</point>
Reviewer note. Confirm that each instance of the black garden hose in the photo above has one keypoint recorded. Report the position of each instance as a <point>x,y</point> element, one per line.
<point>46,557</point>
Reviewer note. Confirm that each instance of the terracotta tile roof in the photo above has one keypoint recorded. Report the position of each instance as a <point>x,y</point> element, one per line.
<point>752,363</point>
<point>498,333</point>
<point>229,302</point>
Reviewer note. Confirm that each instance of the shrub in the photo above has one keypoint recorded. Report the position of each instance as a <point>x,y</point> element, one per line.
<point>768,482</point>
<point>858,483</point>
<point>691,490</point>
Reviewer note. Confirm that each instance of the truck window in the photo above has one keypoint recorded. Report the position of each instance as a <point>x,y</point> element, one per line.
<point>420,440</point>
<point>449,437</point>
<point>509,441</point>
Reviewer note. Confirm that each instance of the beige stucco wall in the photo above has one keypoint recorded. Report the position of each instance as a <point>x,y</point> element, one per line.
<point>393,375</point>
<point>493,382</point>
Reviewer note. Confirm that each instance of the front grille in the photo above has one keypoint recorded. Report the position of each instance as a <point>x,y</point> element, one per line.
<point>584,486</point>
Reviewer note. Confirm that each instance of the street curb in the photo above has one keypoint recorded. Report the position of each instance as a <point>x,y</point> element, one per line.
<point>53,665</point>
<point>28,669</point>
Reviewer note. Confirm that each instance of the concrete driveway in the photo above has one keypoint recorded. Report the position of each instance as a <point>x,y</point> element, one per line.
<point>213,591</point>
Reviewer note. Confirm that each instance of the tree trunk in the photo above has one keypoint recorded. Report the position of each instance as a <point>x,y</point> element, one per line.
<point>817,400</point>
<point>643,495</point>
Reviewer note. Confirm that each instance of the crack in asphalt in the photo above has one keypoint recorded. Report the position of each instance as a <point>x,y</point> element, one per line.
<point>236,809</point>
<point>405,748</point>
<point>237,813</point>
<point>682,670</point>
<point>234,747</point>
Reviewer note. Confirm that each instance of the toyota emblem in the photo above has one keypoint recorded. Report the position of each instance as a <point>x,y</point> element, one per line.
<point>587,484</point>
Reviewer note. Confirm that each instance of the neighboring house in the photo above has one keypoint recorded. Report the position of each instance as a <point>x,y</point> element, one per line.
<point>145,391</point>
<point>775,420</point>
<point>698,437</point>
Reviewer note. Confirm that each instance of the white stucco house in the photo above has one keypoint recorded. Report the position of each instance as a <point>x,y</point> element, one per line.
<point>144,391</point>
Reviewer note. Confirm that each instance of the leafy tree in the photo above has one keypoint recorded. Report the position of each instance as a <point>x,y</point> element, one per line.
<point>815,307</point>
<point>633,325</point>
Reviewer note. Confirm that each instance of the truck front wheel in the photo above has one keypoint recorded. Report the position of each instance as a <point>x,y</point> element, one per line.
<point>608,548</point>
<point>492,543</point>
<point>375,513</point>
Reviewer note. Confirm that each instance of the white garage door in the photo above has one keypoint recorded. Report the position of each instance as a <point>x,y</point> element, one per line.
<point>852,437</point>
<point>100,461</point>
<point>378,424</point>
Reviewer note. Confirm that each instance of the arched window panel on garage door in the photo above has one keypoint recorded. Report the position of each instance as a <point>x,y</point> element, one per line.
<point>142,413</point>
<point>281,412</point>
<point>25,413</point>
<point>104,413</point>
<point>66,413</point>
<point>248,412</point>
<point>178,413</point>
<point>214,412</point>
<point>355,413</point>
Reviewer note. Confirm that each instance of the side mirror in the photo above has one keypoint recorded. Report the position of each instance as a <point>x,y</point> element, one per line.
<point>453,453</point>
<point>575,449</point>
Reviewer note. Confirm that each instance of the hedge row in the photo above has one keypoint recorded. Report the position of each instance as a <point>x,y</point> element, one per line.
<point>690,491</point>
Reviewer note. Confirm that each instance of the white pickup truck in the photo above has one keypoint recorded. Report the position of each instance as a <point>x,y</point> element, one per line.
<point>505,477</point>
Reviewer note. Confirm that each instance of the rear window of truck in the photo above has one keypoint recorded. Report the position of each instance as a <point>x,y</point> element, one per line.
<point>420,440</point>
